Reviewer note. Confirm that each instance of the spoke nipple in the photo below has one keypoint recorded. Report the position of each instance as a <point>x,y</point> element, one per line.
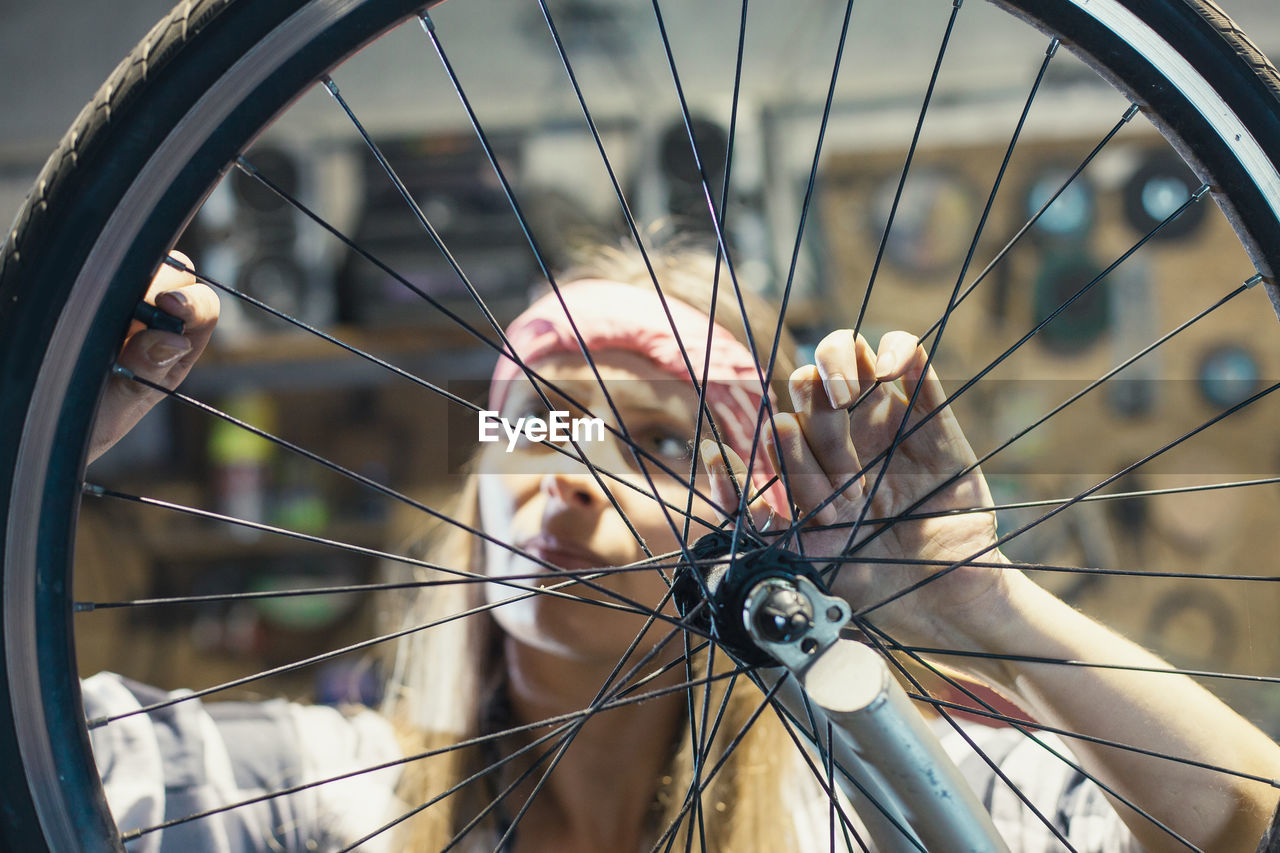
<point>427,24</point>
<point>330,85</point>
<point>82,607</point>
<point>155,318</point>
<point>122,371</point>
<point>956,4</point>
<point>1052,49</point>
<point>1199,194</point>
<point>93,490</point>
<point>1131,112</point>
<point>1254,281</point>
<point>245,166</point>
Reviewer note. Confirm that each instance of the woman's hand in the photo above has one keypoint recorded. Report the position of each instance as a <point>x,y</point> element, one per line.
<point>823,449</point>
<point>997,611</point>
<point>164,358</point>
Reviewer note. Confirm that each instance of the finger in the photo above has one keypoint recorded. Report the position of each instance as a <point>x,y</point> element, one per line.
<point>809,483</point>
<point>836,360</point>
<point>947,447</point>
<point>897,349</point>
<point>160,357</point>
<point>866,361</point>
<point>198,307</point>
<point>728,477</point>
<point>169,277</point>
<point>178,293</point>
<point>826,430</point>
<point>152,354</point>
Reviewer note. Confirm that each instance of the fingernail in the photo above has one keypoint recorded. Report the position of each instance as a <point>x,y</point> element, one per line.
<point>771,449</point>
<point>837,390</point>
<point>709,452</point>
<point>886,366</point>
<point>176,298</point>
<point>163,355</point>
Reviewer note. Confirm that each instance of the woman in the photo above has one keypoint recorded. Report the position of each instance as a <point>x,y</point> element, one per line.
<point>615,786</point>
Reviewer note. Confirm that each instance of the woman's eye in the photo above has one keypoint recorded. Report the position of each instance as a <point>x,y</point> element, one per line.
<point>670,446</point>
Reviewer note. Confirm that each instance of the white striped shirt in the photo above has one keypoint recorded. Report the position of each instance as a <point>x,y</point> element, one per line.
<point>193,756</point>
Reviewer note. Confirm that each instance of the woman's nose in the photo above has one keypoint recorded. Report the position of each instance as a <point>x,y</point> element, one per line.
<point>578,491</point>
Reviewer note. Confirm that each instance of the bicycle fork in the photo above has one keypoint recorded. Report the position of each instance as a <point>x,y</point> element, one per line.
<point>905,789</point>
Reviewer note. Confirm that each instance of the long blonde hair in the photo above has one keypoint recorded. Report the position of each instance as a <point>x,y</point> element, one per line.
<point>447,680</point>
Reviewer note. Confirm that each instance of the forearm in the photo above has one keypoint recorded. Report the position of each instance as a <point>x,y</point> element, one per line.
<point>1162,712</point>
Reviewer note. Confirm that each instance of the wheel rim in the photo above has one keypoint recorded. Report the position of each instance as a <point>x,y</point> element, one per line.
<point>32,474</point>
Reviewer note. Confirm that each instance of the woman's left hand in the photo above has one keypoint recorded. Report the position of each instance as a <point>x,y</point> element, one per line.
<point>164,358</point>
<point>822,448</point>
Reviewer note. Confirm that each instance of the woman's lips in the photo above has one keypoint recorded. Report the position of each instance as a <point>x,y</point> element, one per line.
<point>562,554</point>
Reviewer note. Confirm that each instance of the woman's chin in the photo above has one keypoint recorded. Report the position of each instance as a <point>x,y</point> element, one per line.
<point>576,631</point>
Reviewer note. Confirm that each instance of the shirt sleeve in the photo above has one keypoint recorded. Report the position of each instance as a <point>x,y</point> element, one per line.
<point>193,757</point>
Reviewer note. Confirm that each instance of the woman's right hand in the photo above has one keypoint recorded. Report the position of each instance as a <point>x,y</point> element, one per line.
<point>161,357</point>
<point>933,471</point>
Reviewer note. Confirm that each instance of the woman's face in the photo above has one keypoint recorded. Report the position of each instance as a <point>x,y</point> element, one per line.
<point>551,508</point>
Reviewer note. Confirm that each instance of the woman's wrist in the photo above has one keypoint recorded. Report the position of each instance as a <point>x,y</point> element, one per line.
<point>1010,617</point>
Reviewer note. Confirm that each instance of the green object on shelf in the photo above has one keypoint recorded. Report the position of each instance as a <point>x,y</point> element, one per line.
<point>230,444</point>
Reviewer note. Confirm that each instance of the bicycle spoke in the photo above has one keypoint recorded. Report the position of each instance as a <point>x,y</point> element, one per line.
<point>386,765</point>
<point>366,481</point>
<point>1194,673</point>
<point>493,804</point>
<point>577,455</point>
<point>561,721</point>
<point>909,512</point>
<point>605,690</point>
<point>461,576</point>
<point>722,251</point>
<point>986,710</point>
<point>1096,498</point>
<point>1040,567</point>
<point>791,271</point>
<point>789,724</point>
<point>634,229</point>
<point>901,431</point>
<point>313,659</point>
<point>429,28</point>
<point>835,809</point>
<point>906,167</point>
<point>1005,718</point>
<point>968,739</point>
<point>695,727</point>
<point>711,774</point>
<point>924,419</point>
<point>508,350</point>
<point>1129,113</point>
<point>414,208</point>
<point>602,696</point>
<point>702,750</point>
<point>1023,340</point>
<point>1092,489</point>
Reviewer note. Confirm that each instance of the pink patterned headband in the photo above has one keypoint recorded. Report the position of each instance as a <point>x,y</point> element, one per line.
<point>612,315</point>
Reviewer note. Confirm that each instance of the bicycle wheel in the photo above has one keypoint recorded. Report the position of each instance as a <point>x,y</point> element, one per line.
<point>207,82</point>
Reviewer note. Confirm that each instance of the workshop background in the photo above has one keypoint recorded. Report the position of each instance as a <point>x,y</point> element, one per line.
<point>56,53</point>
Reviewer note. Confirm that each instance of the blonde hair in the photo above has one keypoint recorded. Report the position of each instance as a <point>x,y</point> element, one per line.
<point>446,680</point>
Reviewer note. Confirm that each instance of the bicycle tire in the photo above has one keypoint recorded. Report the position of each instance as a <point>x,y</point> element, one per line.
<point>62,310</point>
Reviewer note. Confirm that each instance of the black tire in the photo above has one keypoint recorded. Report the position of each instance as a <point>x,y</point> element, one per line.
<point>141,157</point>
